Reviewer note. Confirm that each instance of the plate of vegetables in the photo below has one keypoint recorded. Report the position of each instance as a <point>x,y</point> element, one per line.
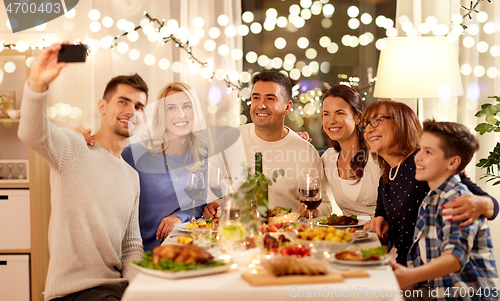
<point>187,261</point>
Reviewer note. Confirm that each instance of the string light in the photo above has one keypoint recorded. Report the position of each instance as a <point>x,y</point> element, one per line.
<point>168,36</point>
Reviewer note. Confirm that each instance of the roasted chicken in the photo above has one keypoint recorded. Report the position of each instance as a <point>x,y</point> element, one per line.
<point>188,254</point>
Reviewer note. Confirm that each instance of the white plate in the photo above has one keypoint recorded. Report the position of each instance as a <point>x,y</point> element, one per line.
<point>361,263</point>
<point>363,235</point>
<point>182,227</point>
<point>361,222</point>
<point>183,274</point>
<point>173,241</point>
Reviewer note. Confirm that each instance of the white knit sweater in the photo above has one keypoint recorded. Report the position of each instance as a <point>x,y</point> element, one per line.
<point>292,154</point>
<point>94,228</point>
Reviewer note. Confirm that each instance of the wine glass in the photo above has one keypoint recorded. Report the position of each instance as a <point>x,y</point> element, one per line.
<point>217,177</point>
<point>311,197</point>
<point>10,166</point>
<point>20,166</point>
<point>195,187</point>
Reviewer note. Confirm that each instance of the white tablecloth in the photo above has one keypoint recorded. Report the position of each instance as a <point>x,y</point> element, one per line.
<point>381,285</point>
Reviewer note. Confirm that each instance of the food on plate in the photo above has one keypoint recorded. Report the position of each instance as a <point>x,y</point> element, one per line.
<point>291,265</point>
<point>373,254</point>
<point>188,239</point>
<point>174,258</point>
<point>284,218</point>
<point>284,227</point>
<point>184,239</point>
<point>342,220</point>
<point>208,223</point>
<point>283,246</point>
<point>278,210</point>
<point>188,254</point>
<point>323,233</point>
<point>358,234</point>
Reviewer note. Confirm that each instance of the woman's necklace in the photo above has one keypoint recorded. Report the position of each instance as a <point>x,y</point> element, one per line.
<point>170,168</point>
<point>397,169</point>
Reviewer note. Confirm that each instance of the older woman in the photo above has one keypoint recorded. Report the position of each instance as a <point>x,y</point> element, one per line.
<point>392,131</point>
<point>350,169</point>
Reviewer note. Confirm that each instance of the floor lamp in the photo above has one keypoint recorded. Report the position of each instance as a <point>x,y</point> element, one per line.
<point>418,68</point>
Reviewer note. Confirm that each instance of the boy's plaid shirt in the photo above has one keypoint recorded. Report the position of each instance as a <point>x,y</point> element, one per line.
<point>435,235</point>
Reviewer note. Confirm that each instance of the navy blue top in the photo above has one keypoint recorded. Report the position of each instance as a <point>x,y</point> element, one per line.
<point>160,194</point>
<point>398,202</point>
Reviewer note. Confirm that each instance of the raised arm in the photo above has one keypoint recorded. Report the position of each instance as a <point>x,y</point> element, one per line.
<point>35,128</point>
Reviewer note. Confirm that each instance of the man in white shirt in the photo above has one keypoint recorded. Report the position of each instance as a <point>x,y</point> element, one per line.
<point>281,147</point>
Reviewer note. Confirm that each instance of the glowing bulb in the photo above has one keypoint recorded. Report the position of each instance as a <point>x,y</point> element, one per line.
<point>198,22</point>
<point>236,54</point>
<point>70,14</point>
<point>366,18</point>
<point>280,43</point>
<point>210,45</point>
<point>164,64</point>
<point>107,22</point>
<point>94,15</point>
<point>230,31</point>
<point>247,17</point>
<point>214,32</point>
<point>353,23</point>
<point>95,26</point>
<point>251,57</point>
<point>122,24</point>
<point>149,59</point>
<point>22,46</point>
<point>223,20</point>
<point>302,42</point>
<point>177,67</point>
<point>122,47</point>
<point>223,50</point>
<point>9,67</point>
<point>353,11</point>
<point>134,54</point>
<point>328,10</point>
<point>133,36</point>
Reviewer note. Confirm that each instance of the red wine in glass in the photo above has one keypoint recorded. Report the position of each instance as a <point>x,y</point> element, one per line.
<point>311,203</point>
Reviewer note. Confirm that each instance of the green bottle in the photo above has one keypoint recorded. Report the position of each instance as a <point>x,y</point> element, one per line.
<point>263,187</point>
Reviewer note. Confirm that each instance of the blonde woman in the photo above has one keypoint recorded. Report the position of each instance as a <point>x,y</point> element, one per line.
<point>171,147</point>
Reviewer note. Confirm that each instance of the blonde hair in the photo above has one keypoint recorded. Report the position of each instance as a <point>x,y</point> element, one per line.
<point>158,135</point>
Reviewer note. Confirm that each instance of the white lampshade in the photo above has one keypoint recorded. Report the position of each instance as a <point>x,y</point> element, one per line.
<point>424,67</point>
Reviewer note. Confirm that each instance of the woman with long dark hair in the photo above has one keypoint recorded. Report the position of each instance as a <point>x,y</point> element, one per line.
<point>350,169</point>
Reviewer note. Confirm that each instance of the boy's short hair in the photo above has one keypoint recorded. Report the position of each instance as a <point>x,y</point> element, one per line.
<point>135,81</point>
<point>276,77</point>
<point>456,140</point>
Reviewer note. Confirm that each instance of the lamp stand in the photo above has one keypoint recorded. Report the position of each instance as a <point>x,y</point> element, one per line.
<point>420,110</point>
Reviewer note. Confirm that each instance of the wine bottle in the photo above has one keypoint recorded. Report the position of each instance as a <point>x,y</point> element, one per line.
<point>264,187</point>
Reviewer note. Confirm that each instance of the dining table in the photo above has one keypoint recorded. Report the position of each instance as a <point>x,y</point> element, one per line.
<point>380,284</point>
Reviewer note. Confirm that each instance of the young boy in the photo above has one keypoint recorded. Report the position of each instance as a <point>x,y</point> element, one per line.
<point>447,262</point>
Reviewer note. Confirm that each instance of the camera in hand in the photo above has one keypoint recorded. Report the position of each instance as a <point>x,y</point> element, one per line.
<point>72,53</point>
